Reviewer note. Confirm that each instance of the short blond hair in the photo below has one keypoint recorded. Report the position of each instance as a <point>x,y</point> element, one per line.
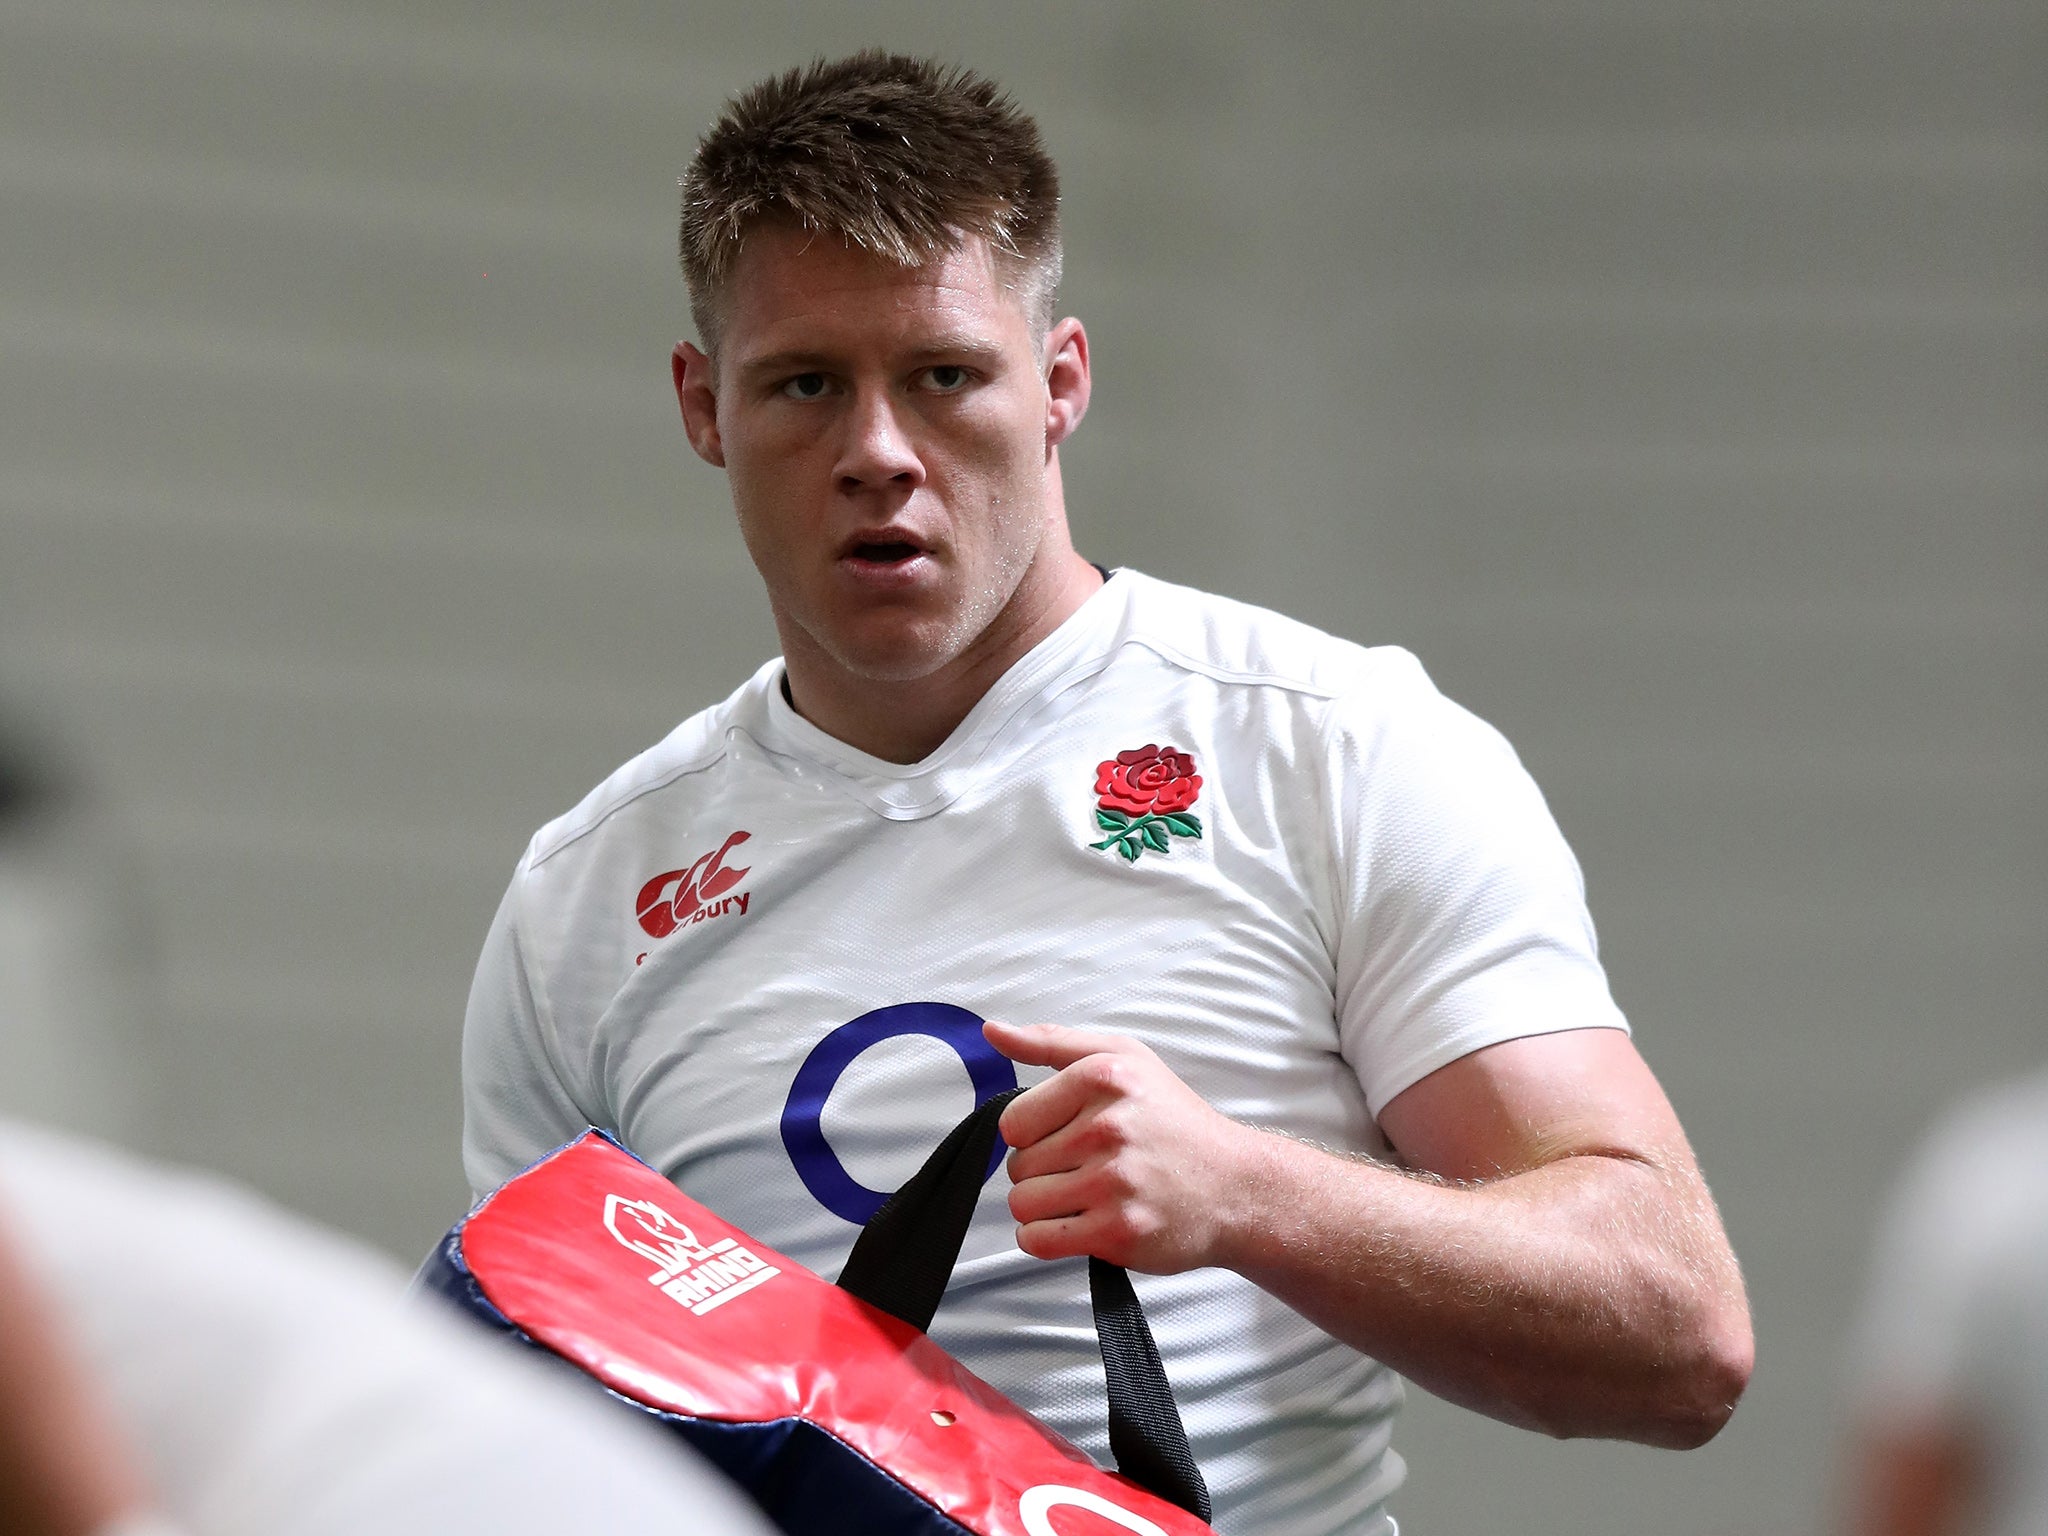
<point>894,155</point>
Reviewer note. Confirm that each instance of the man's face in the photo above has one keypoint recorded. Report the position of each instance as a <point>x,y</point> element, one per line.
<point>887,432</point>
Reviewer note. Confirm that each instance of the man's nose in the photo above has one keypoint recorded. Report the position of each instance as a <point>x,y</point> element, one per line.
<point>877,452</point>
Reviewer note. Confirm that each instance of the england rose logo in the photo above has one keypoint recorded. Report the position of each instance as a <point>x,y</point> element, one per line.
<point>1142,798</point>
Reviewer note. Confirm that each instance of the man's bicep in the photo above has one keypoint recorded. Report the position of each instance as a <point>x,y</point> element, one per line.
<point>1521,1103</point>
<point>515,1105</point>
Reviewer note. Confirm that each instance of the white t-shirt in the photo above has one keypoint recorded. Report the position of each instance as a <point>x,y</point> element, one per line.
<point>276,1380</point>
<point>1954,1336</point>
<point>761,957</point>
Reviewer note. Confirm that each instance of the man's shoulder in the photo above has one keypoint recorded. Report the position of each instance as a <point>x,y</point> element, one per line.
<point>1232,641</point>
<point>692,749</point>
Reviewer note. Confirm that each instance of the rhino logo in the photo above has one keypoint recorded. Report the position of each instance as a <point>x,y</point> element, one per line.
<point>688,1273</point>
<point>651,1232</point>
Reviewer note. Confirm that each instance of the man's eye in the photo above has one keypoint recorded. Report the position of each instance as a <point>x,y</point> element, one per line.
<point>805,386</point>
<point>947,377</point>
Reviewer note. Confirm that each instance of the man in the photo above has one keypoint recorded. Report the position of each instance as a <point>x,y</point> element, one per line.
<point>178,1356</point>
<point>68,1045</point>
<point>1270,892</point>
<point>1950,1407</point>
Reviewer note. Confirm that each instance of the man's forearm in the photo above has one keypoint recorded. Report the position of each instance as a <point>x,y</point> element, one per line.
<point>1574,1279</point>
<point>1593,1295</point>
<point>65,1469</point>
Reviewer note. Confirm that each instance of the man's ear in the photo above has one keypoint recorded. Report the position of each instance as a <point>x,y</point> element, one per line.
<point>1066,380</point>
<point>696,392</point>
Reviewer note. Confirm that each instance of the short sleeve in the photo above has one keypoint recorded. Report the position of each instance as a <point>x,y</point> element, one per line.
<point>1462,918</point>
<point>515,1103</point>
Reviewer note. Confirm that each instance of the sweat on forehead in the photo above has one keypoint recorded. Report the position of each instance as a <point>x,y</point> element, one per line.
<point>897,156</point>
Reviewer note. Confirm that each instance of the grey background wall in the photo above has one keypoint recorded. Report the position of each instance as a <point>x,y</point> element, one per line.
<point>1671,378</point>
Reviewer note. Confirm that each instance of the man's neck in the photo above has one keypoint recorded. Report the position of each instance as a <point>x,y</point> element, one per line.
<point>906,721</point>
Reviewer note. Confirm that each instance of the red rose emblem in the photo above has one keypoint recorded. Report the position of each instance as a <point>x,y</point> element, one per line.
<point>1147,782</point>
<point>1142,798</point>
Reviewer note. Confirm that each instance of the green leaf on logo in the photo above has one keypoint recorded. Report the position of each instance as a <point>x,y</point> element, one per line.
<point>1111,821</point>
<point>1183,823</point>
<point>1155,836</point>
<point>1130,848</point>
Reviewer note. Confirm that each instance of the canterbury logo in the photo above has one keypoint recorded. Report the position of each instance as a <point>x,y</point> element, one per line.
<point>690,895</point>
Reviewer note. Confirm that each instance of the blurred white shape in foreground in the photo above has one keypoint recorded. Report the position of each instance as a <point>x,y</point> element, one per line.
<point>274,1379</point>
<point>1952,1358</point>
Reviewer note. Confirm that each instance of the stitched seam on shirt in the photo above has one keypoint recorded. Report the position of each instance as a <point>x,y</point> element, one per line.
<point>1263,679</point>
<point>600,817</point>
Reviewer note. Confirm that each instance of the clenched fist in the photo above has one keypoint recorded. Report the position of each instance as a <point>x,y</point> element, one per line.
<point>1116,1157</point>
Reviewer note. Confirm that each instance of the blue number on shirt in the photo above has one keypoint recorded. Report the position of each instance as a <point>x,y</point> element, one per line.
<point>803,1131</point>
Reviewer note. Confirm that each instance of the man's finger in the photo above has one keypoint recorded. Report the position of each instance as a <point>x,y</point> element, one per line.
<point>1062,1237</point>
<point>1039,1111</point>
<point>1049,1197</point>
<point>1055,1152</point>
<point>1050,1045</point>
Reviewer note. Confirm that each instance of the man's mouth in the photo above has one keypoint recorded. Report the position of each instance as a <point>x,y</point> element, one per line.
<point>884,551</point>
<point>882,547</point>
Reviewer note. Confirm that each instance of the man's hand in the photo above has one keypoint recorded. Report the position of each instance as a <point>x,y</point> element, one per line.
<point>1547,1255</point>
<point>1114,1155</point>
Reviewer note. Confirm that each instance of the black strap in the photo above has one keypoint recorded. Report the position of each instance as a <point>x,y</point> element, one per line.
<point>1145,1432</point>
<point>905,1255</point>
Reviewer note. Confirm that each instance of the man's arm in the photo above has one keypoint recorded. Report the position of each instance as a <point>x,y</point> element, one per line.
<point>65,1469</point>
<point>515,1106</point>
<point>1940,1353</point>
<point>1548,1255</point>
<point>1914,1480</point>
